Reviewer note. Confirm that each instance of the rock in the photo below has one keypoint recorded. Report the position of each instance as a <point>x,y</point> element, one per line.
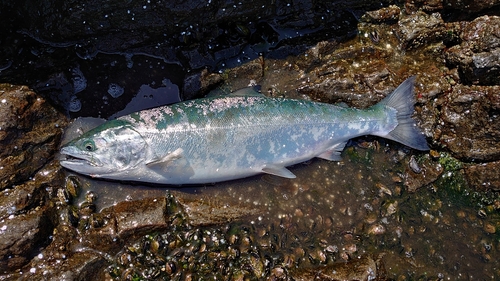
<point>390,13</point>
<point>426,5</point>
<point>429,171</point>
<point>123,222</point>
<point>471,123</point>
<point>420,29</point>
<point>199,84</point>
<point>484,176</point>
<point>62,260</point>
<point>30,130</point>
<point>478,56</point>
<point>363,268</point>
<point>241,76</point>
<point>335,80</point>
<point>470,6</point>
<point>466,7</point>
<point>22,236</point>
<point>206,211</point>
<point>31,194</point>
<point>81,254</point>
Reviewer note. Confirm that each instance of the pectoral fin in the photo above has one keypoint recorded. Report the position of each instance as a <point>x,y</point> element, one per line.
<point>173,164</point>
<point>165,160</point>
<point>278,171</point>
<point>333,152</point>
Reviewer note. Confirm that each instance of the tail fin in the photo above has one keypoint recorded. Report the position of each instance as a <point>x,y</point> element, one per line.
<point>406,132</point>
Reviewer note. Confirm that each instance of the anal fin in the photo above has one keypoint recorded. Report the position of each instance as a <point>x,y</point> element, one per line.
<point>278,171</point>
<point>333,152</point>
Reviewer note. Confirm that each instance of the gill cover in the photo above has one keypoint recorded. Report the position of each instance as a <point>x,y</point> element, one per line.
<point>111,148</point>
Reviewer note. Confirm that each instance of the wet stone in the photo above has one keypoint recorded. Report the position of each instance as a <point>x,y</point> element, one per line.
<point>471,122</point>
<point>334,81</point>
<point>82,265</point>
<point>240,76</point>
<point>30,130</point>
<point>420,29</point>
<point>390,13</point>
<point>464,7</point>
<point>426,5</point>
<point>26,219</point>
<point>478,56</point>
<point>362,268</point>
<point>429,171</point>
<point>471,5</point>
<point>22,236</point>
<point>206,211</point>
<point>199,84</point>
<point>484,176</point>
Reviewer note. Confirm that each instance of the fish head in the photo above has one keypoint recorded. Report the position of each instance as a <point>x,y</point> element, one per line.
<point>113,148</point>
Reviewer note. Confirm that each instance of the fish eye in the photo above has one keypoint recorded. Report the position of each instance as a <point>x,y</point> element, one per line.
<point>89,146</point>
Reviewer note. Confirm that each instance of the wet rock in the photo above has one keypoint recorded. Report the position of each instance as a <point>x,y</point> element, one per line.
<point>471,122</point>
<point>420,29</point>
<point>428,172</point>
<point>484,176</point>
<point>241,76</point>
<point>465,7</point>
<point>335,80</point>
<point>469,6</point>
<point>27,217</point>
<point>426,5</point>
<point>122,222</point>
<point>478,56</point>
<point>199,84</point>
<point>206,211</point>
<point>363,268</point>
<point>64,259</point>
<point>31,194</point>
<point>390,13</point>
<point>30,130</point>
<point>82,253</point>
<point>22,236</point>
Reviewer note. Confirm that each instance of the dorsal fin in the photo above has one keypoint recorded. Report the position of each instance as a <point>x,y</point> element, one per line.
<point>253,91</point>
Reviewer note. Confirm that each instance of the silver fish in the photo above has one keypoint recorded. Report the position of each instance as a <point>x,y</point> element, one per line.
<point>223,138</point>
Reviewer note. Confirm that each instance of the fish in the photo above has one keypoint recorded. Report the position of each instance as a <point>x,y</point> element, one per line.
<point>223,138</point>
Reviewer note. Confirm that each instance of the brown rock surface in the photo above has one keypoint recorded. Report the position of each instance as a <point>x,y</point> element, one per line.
<point>478,56</point>
<point>30,130</point>
<point>471,122</point>
<point>484,176</point>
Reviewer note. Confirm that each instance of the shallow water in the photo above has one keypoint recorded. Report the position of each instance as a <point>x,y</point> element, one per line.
<point>357,206</point>
<point>436,232</point>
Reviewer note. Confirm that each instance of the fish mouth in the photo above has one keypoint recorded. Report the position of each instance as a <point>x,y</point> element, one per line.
<point>72,159</point>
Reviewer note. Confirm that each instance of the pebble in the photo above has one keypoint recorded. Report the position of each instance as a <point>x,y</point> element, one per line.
<point>489,228</point>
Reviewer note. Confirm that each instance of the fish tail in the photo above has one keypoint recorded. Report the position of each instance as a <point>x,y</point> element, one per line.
<point>406,132</point>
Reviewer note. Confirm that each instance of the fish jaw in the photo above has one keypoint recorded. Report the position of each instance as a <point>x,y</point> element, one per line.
<point>72,158</point>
